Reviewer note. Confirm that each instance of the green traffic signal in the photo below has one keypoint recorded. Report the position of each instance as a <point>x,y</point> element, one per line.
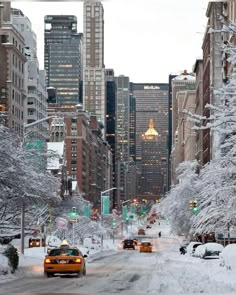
<point>113,223</point>
<point>195,209</point>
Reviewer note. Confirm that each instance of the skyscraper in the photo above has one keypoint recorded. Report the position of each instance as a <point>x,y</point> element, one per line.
<point>93,60</point>
<point>36,103</point>
<point>111,120</point>
<point>62,57</point>
<point>122,132</point>
<point>151,102</point>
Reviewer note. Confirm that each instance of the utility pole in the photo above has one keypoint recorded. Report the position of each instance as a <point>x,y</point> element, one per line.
<point>106,191</point>
<point>22,227</point>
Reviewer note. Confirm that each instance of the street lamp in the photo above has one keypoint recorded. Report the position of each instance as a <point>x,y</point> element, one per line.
<point>25,127</point>
<point>106,191</point>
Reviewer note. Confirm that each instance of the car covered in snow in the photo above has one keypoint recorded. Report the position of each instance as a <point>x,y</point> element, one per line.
<point>228,257</point>
<point>192,247</point>
<point>208,251</point>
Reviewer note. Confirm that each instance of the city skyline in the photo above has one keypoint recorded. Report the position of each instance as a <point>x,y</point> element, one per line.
<point>142,50</point>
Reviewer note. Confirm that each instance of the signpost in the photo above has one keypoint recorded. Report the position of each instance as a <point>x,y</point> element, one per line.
<point>73,218</point>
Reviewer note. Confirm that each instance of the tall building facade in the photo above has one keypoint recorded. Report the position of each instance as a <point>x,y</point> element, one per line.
<point>12,73</point>
<point>151,101</point>
<point>198,70</point>
<point>36,98</point>
<point>132,127</point>
<point>153,167</point>
<point>169,143</point>
<point>122,132</point>
<point>111,122</point>
<point>93,60</point>
<point>63,57</point>
<point>88,156</point>
<point>181,84</point>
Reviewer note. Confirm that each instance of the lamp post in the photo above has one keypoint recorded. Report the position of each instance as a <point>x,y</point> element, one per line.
<point>25,127</point>
<point>106,191</point>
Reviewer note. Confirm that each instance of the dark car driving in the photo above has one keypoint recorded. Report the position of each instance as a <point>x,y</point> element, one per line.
<point>129,244</point>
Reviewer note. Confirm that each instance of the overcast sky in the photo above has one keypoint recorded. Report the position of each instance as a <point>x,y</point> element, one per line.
<point>144,39</point>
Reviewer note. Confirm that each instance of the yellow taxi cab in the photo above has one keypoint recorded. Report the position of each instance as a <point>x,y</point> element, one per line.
<point>65,260</point>
<point>145,247</point>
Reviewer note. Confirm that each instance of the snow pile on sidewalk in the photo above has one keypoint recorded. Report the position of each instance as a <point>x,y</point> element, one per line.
<point>5,270</point>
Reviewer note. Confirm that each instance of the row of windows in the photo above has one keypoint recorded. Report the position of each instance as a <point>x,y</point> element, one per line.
<point>17,63</point>
<point>18,46</point>
<point>17,97</point>
<point>17,81</point>
<point>17,112</point>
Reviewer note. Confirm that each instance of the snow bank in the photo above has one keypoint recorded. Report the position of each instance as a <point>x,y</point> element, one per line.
<point>228,256</point>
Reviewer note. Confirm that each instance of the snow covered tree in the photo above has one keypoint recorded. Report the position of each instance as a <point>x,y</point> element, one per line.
<point>20,180</point>
<point>176,204</point>
<point>217,180</point>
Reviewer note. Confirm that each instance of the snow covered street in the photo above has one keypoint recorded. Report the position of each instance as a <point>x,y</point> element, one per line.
<point>164,271</point>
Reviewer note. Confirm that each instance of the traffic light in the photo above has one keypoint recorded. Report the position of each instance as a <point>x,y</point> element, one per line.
<point>73,212</point>
<point>127,218</point>
<point>113,223</point>
<point>191,204</point>
<point>195,207</point>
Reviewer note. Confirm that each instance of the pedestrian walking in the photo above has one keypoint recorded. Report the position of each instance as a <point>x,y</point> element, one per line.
<point>159,234</point>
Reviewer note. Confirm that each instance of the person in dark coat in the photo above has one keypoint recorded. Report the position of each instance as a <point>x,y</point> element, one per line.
<point>159,234</point>
<point>182,250</point>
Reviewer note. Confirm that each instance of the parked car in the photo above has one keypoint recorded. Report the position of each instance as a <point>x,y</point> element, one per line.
<point>208,251</point>
<point>228,257</point>
<point>192,247</point>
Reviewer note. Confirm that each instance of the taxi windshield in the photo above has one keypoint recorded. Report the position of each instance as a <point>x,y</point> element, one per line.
<point>68,252</point>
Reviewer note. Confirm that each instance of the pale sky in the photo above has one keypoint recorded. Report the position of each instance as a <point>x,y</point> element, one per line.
<point>144,39</point>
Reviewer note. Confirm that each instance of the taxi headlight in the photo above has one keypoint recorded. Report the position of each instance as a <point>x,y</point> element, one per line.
<point>47,260</point>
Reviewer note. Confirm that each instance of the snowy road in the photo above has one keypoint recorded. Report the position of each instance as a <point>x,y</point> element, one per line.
<point>130,272</point>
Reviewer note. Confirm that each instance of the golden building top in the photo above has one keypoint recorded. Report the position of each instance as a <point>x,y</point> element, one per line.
<point>151,132</point>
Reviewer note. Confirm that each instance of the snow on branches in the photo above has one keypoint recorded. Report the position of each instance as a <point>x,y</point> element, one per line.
<point>176,205</point>
<point>21,180</point>
<point>214,187</point>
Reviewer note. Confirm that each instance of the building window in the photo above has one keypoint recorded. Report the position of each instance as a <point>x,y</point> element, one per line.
<point>73,155</point>
<point>73,169</point>
<point>73,162</point>
<point>73,141</point>
<point>73,148</point>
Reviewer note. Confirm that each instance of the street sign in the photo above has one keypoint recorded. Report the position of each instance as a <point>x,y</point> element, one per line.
<point>124,212</point>
<point>105,205</point>
<point>87,210</point>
